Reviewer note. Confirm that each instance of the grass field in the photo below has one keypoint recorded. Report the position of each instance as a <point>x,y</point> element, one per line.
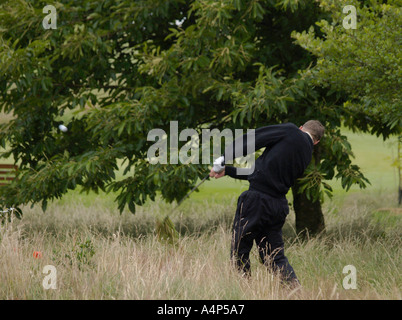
<point>100,254</point>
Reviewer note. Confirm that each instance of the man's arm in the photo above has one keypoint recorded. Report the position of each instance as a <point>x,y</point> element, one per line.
<point>263,137</point>
<point>229,171</point>
<point>260,138</point>
<point>233,172</point>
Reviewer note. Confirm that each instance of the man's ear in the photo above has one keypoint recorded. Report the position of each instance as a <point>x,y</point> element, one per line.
<point>316,142</point>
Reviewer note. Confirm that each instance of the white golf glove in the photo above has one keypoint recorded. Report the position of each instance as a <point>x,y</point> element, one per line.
<point>219,164</point>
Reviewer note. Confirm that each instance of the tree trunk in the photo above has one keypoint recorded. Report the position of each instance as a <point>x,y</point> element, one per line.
<point>309,217</point>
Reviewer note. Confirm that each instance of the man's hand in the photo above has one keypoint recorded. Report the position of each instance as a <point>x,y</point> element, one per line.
<point>218,170</point>
<point>217,175</point>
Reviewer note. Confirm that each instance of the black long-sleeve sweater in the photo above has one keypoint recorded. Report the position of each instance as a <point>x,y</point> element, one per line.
<point>288,152</point>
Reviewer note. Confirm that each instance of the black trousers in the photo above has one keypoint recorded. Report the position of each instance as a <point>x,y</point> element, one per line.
<point>260,218</point>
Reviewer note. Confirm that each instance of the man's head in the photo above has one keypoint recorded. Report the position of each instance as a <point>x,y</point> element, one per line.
<point>315,128</point>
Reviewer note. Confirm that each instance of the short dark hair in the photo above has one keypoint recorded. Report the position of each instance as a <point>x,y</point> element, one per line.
<point>315,128</point>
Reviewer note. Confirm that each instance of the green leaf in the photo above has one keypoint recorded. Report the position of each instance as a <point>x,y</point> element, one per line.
<point>131,207</point>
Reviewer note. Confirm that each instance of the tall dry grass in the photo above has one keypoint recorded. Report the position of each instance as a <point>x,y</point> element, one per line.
<point>99,254</point>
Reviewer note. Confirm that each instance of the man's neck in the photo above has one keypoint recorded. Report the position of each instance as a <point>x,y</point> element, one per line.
<point>309,136</point>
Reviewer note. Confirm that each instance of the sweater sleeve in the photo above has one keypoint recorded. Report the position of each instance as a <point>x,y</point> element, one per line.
<point>232,172</point>
<point>263,137</point>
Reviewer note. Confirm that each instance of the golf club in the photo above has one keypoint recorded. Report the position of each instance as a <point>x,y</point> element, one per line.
<point>192,190</point>
<point>219,166</point>
<point>165,228</point>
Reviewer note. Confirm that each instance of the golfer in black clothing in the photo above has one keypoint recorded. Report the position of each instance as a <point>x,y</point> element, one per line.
<point>261,211</point>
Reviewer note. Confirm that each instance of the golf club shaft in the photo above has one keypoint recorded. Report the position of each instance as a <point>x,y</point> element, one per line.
<point>192,190</point>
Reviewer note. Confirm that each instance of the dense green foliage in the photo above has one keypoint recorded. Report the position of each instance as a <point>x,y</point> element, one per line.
<point>365,62</point>
<point>126,67</point>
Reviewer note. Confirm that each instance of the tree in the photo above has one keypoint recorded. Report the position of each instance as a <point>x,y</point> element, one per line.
<point>128,67</point>
<point>365,63</point>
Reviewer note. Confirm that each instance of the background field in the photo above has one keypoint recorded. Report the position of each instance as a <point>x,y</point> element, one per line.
<point>100,254</point>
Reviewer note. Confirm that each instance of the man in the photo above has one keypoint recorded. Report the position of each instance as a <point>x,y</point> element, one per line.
<point>261,211</point>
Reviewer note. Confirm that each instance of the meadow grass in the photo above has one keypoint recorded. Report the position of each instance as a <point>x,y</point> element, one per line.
<point>100,254</point>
